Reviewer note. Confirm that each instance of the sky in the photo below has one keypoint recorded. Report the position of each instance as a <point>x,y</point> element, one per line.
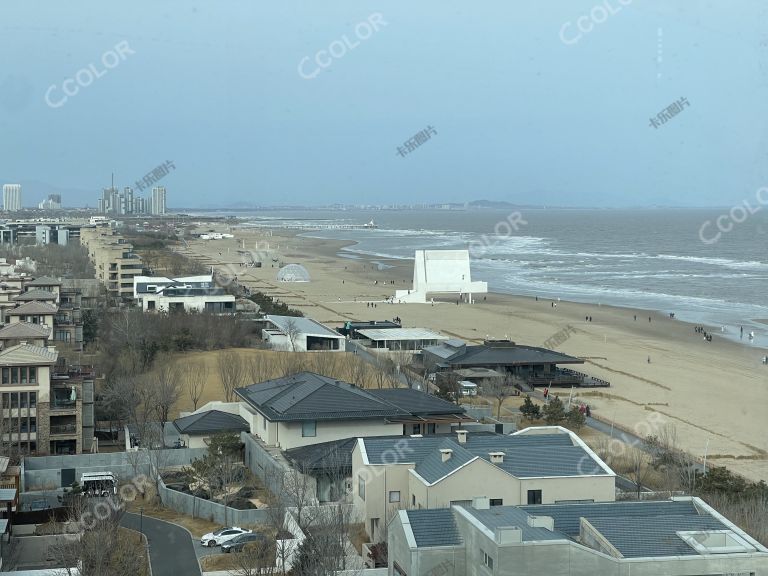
<point>527,101</point>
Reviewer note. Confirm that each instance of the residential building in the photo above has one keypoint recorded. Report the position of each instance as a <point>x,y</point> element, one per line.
<point>115,262</point>
<point>11,197</point>
<point>528,365</point>
<point>51,234</point>
<point>18,332</point>
<point>191,294</point>
<point>47,408</point>
<point>350,328</point>
<point>532,466</point>
<point>392,339</point>
<point>158,201</point>
<point>195,429</point>
<point>677,537</point>
<point>53,202</point>
<point>307,408</point>
<point>41,313</point>
<point>299,334</point>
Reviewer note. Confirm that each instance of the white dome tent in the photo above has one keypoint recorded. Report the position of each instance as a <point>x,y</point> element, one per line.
<point>293,273</point>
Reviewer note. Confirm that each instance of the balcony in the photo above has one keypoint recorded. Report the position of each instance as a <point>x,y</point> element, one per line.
<point>63,429</point>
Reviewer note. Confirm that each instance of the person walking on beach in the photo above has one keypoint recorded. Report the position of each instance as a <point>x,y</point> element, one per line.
<point>649,319</point>
<point>635,317</point>
<point>741,332</point>
<point>649,359</point>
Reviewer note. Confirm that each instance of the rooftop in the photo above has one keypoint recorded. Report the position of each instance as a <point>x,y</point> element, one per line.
<point>310,396</point>
<point>39,295</point>
<point>380,334</point>
<point>554,454</point>
<point>301,325</point>
<point>32,308</point>
<point>645,529</point>
<point>19,330</point>
<point>27,354</point>
<point>498,355</point>
<point>45,281</point>
<point>211,421</point>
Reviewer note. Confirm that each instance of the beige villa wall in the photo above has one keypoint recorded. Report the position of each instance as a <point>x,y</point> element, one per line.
<point>289,433</point>
<point>597,488</point>
<point>479,478</point>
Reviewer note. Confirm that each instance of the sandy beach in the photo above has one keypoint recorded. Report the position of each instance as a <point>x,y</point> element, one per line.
<point>714,393</point>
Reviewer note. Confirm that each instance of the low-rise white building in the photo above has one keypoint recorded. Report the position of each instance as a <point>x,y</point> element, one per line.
<point>188,294</point>
<point>299,334</point>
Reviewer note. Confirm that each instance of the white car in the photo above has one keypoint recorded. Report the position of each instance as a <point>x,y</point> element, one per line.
<point>220,536</point>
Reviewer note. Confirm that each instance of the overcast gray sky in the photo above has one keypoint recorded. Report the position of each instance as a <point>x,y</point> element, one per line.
<point>528,103</point>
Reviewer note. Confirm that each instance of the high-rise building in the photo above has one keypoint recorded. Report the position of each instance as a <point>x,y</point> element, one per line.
<point>12,197</point>
<point>158,200</point>
<point>53,202</point>
<point>126,201</point>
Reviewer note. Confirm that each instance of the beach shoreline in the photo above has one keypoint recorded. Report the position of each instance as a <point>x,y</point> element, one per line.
<point>662,371</point>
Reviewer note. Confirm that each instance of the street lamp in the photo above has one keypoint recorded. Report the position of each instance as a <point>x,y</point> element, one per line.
<point>141,521</point>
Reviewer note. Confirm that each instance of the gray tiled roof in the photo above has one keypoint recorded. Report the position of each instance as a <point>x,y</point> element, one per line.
<point>434,527</point>
<point>33,308</point>
<point>525,456</point>
<point>26,355</point>
<point>335,456</point>
<point>416,402</point>
<point>509,516</point>
<point>482,355</point>
<point>309,396</point>
<point>636,529</point>
<point>45,281</point>
<point>19,330</point>
<point>39,295</point>
<point>211,421</point>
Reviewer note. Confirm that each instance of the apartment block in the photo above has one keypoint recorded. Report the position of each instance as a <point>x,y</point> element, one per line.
<point>115,262</point>
<point>47,407</point>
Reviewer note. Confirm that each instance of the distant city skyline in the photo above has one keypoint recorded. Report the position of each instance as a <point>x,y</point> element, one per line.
<point>562,104</point>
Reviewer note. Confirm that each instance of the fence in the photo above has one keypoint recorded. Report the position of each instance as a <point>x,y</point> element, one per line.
<point>263,464</point>
<point>54,472</point>
<point>199,508</point>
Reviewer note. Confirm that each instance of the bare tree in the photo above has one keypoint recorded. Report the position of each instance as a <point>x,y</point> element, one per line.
<point>165,389</point>
<point>101,548</point>
<point>382,374</point>
<point>231,372</point>
<point>292,332</point>
<point>356,371</point>
<point>326,363</point>
<point>639,468</point>
<point>290,363</point>
<point>258,369</point>
<point>499,389</point>
<point>196,376</point>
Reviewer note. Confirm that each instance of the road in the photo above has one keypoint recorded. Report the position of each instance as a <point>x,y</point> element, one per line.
<point>171,548</point>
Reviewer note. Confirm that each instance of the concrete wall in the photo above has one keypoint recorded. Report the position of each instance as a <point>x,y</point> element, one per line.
<point>262,463</point>
<point>199,508</point>
<point>44,472</point>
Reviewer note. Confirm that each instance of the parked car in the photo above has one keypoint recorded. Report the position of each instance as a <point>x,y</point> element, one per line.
<point>220,536</point>
<point>238,542</point>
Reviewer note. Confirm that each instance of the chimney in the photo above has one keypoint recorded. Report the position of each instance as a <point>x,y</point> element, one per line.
<point>496,457</point>
<point>446,454</point>
<point>508,535</point>
<point>481,503</point>
<point>542,522</point>
<point>462,436</point>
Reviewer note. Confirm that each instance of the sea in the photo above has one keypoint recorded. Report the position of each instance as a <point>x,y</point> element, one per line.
<point>669,260</point>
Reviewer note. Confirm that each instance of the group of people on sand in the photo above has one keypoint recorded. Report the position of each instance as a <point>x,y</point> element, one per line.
<point>701,330</point>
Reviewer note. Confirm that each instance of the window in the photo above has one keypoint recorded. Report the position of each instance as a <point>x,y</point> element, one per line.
<point>431,428</point>
<point>263,422</point>
<point>361,487</point>
<point>534,496</point>
<point>309,429</point>
<point>413,499</point>
<point>487,560</point>
<point>497,502</point>
<point>33,375</point>
<point>416,429</point>
<point>6,375</point>
<point>33,399</point>
<point>394,496</point>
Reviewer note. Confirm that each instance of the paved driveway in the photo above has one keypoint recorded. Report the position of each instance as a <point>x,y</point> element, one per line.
<point>171,548</point>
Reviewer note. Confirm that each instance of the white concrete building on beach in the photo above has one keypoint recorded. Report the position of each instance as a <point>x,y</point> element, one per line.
<point>441,272</point>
